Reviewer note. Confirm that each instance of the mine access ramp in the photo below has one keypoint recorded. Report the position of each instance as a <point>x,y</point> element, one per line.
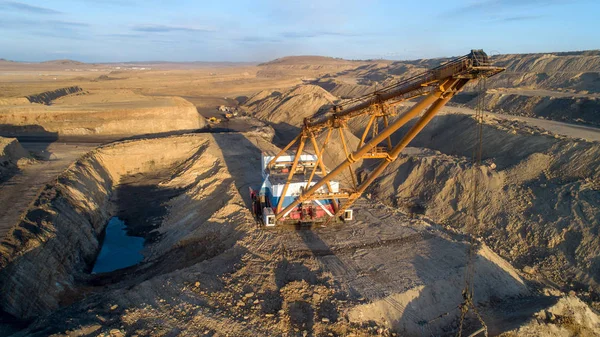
<point>297,188</point>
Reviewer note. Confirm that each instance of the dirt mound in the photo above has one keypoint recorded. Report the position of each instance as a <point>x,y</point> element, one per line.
<point>539,195</point>
<point>12,154</point>
<point>105,78</point>
<point>406,311</point>
<point>568,317</point>
<point>285,112</point>
<point>290,106</point>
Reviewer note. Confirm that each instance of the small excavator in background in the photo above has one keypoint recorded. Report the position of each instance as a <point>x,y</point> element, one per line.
<point>297,188</point>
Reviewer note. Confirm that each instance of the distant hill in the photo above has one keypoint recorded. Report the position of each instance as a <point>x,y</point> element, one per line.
<point>310,66</point>
<point>64,62</point>
<point>307,59</point>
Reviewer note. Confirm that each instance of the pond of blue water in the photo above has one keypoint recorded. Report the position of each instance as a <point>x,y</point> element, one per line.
<point>119,250</point>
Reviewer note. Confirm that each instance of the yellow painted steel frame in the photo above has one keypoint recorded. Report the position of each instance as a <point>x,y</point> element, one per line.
<point>445,89</point>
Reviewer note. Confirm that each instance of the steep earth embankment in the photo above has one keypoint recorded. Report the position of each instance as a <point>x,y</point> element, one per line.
<point>538,194</point>
<point>57,240</point>
<point>285,111</point>
<point>12,154</point>
<point>291,106</point>
<point>48,96</point>
<point>119,113</point>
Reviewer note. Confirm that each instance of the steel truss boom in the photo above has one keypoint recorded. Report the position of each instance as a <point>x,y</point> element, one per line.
<point>438,85</point>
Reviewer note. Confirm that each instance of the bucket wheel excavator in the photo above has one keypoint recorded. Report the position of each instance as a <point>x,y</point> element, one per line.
<point>297,187</point>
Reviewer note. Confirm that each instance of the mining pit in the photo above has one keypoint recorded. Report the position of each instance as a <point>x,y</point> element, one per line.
<point>207,266</point>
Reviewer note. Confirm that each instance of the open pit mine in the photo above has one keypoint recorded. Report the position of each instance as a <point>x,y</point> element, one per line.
<point>306,196</point>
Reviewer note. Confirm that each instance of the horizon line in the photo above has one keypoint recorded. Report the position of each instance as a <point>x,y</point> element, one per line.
<point>278,58</point>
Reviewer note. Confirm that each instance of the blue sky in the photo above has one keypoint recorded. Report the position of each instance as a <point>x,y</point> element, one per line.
<point>260,30</point>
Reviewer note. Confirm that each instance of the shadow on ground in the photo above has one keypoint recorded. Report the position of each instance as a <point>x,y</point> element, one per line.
<point>242,158</point>
<point>28,133</point>
<point>501,312</point>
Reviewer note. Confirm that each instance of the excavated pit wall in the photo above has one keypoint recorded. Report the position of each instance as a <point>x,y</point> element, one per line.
<point>156,115</point>
<point>58,238</point>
